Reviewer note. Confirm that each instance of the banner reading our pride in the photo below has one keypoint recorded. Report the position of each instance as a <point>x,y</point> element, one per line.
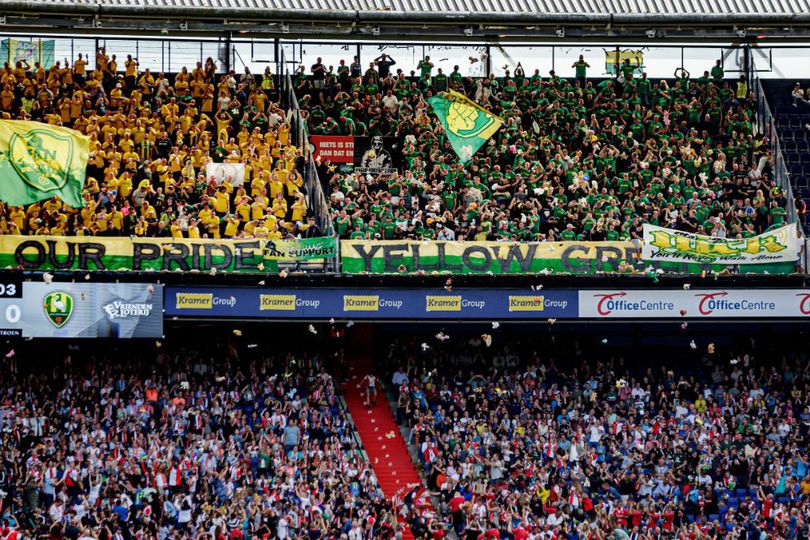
<point>139,254</point>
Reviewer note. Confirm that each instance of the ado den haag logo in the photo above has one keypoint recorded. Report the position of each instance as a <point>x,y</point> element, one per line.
<point>58,307</point>
<point>39,157</point>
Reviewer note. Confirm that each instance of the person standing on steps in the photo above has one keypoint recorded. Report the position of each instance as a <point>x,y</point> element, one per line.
<point>371,389</point>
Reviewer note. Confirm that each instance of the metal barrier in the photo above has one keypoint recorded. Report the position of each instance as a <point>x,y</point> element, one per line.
<point>316,200</point>
<point>767,126</point>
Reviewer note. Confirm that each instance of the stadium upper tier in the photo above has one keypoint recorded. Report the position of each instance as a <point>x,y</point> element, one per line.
<point>578,159</point>
<point>575,159</point>
<point>151,138</point>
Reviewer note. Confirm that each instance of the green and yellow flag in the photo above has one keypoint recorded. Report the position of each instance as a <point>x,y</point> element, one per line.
<point>39,161</point>
<point>467,124</point>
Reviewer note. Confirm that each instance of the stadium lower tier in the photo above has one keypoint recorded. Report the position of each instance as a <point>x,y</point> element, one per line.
<point>514,431</point>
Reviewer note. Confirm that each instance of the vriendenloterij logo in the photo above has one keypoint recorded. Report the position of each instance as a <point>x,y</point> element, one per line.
<point>39,157</point>
<point>58,307</point>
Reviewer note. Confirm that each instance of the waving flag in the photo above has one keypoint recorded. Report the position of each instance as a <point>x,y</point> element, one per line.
<point>467,124</point>
<point>39,161</point>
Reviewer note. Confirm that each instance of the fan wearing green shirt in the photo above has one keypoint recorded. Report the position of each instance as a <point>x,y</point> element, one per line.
<point>581,67</point>
<point>425,67</point>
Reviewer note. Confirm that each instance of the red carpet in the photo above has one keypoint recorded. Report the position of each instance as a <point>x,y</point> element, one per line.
<point>381,438</point>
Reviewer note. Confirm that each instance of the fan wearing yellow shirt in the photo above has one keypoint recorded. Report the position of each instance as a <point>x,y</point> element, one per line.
<point>279,208</point>
<point>176,230</point>
<point>125,185</point>
<point>116,221</point>
<point>299,209</point>
<point>116,95</point>
<point>261,230</point>
<point>231,226</point>
<point>257,208</point>
<point>52,205</point>
<point>284,134</point>
<point>276,186</point>
<point>258,184</point>
<point>17,216</point>
<point>274,233</point>
<point>221,200</point>
<point>193,228</point>
<point>79,70</point>
<point>141,227</point>
<point>7,97</point>
<point>102,60</point>
<point>213,227</point>
<point>243,209</point>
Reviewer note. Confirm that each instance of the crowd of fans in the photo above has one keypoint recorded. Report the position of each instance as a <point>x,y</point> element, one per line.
<point>518,443</point>
<point>152,136</point>
<point>238,442</point>
<point>176,444</point>
<point>574,159</point>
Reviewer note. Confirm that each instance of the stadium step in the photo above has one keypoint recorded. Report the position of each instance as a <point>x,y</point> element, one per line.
<point>381,438</point>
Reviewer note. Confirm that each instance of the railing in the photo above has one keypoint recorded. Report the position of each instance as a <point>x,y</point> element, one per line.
<point>316,200</point>
<point>767,126</point>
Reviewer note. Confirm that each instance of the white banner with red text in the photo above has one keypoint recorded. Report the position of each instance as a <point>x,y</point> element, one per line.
<point>701,304</point>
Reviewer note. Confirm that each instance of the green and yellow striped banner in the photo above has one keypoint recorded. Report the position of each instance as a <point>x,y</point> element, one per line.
<point>158,254</point>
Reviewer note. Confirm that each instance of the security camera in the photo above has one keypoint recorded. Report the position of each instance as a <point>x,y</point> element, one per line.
<point>184,26</point>
<point>651,33</point>
<point>741,33</point>
<point>375,31</point>
<point>560,32</point>
<point>96,23</point>
<point>468,31</point>
<point>285,28</point>
<point>2,19</point>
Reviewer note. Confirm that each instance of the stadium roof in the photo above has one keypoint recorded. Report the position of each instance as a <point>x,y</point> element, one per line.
<point>614,15</point>
<point>675,9</point>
